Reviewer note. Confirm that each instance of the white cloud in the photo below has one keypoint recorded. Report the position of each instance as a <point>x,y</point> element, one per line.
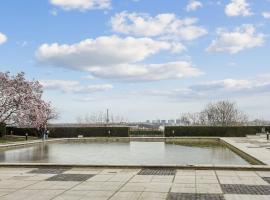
<point>218,89</point>
<point>73,86</point>
<point>54,12</point>
<point>238,8</point>
<point>193,5</point>
<point>3,38</point>
<point>232,64</point>
<point>243,37</point>
<point>266,15</point>
<point>102,51</point>
<point>147,72</point>
<point>117,59</point>
<point>81,4</point>
<point>226,84</point>
<point>162,25</point>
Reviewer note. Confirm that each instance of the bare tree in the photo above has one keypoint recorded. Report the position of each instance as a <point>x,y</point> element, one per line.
<point>184,119</point>
<point>101,118</point>
<point>223,113</point>
<point>190,119</point>
<point>259,122</point>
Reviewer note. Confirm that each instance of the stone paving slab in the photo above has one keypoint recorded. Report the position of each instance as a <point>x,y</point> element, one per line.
<point>246,189</point>
<point>48,171</point>
<point>32,194</point>
<point>180,196</point>
<point>267,179</point>
<point>160,172</point>
<point>70,177</point>
<point>120,184</point>
<point>246,197</point>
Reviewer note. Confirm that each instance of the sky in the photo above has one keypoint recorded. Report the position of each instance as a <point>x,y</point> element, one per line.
<point>141,59</point>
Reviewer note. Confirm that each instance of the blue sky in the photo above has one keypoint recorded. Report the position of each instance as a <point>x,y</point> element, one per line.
<point>142,59</point>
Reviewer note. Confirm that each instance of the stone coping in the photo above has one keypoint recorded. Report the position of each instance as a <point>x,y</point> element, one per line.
<point>246,145</point>
<point>21,143</point>
<point>191,167</point>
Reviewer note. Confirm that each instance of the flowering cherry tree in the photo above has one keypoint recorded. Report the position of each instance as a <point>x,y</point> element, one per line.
<point>21,103</point>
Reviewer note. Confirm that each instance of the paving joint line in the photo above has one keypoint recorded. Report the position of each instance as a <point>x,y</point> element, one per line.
<point>22,188</point>
<point>121,187</point>
<point>73,186</point>
<point>69,188</point>
<point>219,182</point>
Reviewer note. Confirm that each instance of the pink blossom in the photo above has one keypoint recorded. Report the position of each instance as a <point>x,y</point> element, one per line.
<point>21,102</point>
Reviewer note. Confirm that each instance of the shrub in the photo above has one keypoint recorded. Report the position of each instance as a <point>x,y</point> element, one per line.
<point>213,131</point>
<point>69,132</point>
<point>141,133</point>
<point>2,130</point>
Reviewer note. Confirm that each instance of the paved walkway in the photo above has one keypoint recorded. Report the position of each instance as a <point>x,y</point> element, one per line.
<point>256,146</point>
<point>132,184</point>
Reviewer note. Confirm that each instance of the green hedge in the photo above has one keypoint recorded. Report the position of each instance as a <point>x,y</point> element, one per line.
<point>213,131</point>
<point>141,133</point>
<point>69,132</point>
<point>23,131</point>
<point>2,130</point>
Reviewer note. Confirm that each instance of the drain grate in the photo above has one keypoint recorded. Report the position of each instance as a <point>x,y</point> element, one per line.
<point>191,196</point>
<point>160,172</point>
<point>70,177</point>
<point>49,170</point>
<point>267,179</point>
<point>246,189</point>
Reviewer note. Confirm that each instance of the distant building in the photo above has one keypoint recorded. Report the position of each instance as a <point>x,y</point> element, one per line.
<point>148,121</point>
<point>163,121</point>
<point>171,121</point>
<point>178,121</point>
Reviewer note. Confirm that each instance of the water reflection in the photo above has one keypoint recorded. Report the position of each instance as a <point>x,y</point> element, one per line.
<point>124,153</point>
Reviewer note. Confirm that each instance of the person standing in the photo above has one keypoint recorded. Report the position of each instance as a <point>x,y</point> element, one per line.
<point>47,134</point>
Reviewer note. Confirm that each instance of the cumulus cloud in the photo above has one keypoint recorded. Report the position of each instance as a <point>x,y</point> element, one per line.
<point>193,5</point>
<point>147,72</point>
<point>81,4</point>
<point>73,86</point>
<point>218,89</point>
<point>3,38</point>
<point>162,25</point>
<point>238,8</point>
<point>117,58</point>
<point>243,37</point>
<point>102,51</point>
<point>226,84</point>
<point>266,15</point>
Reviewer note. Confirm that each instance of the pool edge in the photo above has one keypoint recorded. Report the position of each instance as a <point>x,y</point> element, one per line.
<point>259,164</point>
<point>190,167</point>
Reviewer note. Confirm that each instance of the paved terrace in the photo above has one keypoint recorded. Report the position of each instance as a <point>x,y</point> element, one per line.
<point>42,183</point>
<point>132,184</point>
<point>255,146</point>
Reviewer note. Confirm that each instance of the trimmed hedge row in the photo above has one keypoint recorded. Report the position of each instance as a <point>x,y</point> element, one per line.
<point>141,133</point>
<point>213,131</point>
<point>69,132</point>
<point>2,130</point>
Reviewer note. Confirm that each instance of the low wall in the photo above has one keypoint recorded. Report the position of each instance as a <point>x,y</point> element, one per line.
<point>212,131</point>
<point>70,132</point>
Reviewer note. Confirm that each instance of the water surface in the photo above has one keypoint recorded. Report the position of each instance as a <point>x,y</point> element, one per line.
<point>121,153</point>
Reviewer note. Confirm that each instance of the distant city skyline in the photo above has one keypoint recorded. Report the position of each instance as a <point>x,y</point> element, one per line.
<point>138,60</point>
